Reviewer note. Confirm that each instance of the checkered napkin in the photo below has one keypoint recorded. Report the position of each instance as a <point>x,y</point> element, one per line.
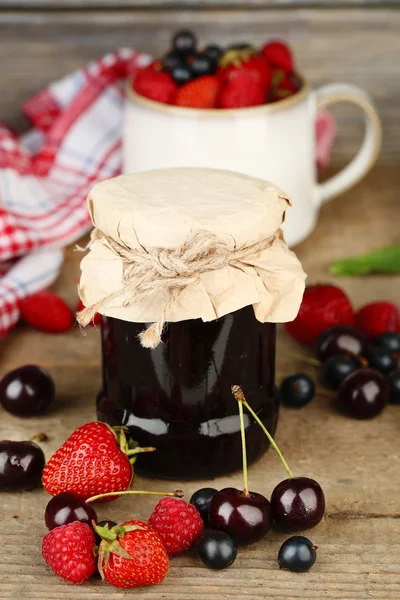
<point>46,174</point>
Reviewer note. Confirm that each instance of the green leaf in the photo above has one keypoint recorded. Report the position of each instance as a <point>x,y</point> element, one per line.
<point>385,260</point>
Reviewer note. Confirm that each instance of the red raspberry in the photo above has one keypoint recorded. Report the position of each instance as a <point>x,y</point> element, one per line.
<point>199,93</point>
<point>155,84</point>
<point>278,55</point>
<point>322,307</point>
<point>178,524</point>
<point>241,91</point>
<point>377,318</point>
<point>47,312</point>
<point>69,551</point>
<point>97,317</point>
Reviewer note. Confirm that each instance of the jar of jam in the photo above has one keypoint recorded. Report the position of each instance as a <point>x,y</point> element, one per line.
<point>190,273</point>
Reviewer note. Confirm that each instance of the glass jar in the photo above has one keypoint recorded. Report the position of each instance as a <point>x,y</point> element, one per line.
<point>178,396</point>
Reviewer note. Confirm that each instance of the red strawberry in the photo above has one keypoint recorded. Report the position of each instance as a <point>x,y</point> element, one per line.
<point>200,93</point>
<point>91,461</point>
<point>241,91</point>
<point>132,555</point>
<point>286,85</point>
<point>377,318</point>
<point>237,61</point>
<point>278,55</point>
<point>97,317</point>
<point>178,524</point>
<point>155,84</point>
<point>69,551</point>
<point>47,312</point>
<point>323,306</point>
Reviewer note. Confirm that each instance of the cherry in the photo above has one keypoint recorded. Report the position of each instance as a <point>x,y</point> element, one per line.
<point>340,339</point>
<point>68,507</point>
<point>184,42</point>
<point>390,341</point>
<point>27,391</point>
<point>363,394</point>
<point>21,465</point>
<point>217,550</point>
<point>297,503</point>
<point>382,360</point>
<point>202,500</point>
<point>297,554</point>
<point>336,368</point>
<point>297,390</point>
<point>394,384</point>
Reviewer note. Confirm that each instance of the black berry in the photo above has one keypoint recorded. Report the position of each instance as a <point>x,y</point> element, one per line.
<point>202,500</point>
<point>202,64</point>
<point>394,387</point>
<point>217,550</point>
<point>336,368</point>
<point>27,391</point>
<point>182,74</point>
<point>390,341</point>
<point>382,360</point>
<point>184,42</point>
<point>363,394</point>
<point>297,554</point>
<point>214,52</point>
<point>297,390</point>
<point>340,339</point>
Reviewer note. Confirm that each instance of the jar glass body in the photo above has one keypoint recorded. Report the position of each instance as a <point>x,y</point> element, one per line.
<point>178,396</point>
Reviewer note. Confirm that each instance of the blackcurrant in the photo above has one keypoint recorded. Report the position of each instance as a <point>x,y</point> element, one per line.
<point>184,42</point>
<point>363,394</point>
<point>336,368</point>
<point>217,550</point>
<point>214,52</point>
<point>297,390</point>
<point>390,341</point>
<point>182,74</point>
<point>382,360</point>
<point>297,554</point>
<point>240,46</point>
<point>202,64</point>
<point>171,60</point>
<point>394,387</point>
<point>202,500</point>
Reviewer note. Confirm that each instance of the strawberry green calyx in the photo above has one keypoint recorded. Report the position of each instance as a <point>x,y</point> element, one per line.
<point>110,543</point>
<point>128,446</point>
<point>236,57</point>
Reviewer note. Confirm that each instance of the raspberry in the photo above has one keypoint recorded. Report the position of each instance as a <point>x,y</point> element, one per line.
<point>178,524</point>
<point>69,551</point>
<point>322,307</point>
<point>377,318</point>
<point>155,84</point>
<point>47,312</point>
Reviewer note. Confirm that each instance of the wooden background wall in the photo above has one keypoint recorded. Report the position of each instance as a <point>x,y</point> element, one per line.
<point>355,41</point>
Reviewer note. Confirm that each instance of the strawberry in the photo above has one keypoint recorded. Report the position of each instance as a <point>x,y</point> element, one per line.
<point>287,85</point>
<point>322,307</point>
<point>155,84</point>
<point>278,55</point>
<point>97,317</point>
<point>377,318</point>
<point>92,461</point>
<point>132,555</point>
<point>69,551</point>
<point>178,524</point>
<point>241,91</point>
<point>200,93</point>
<point>235,62</point>
<point>47,312</point>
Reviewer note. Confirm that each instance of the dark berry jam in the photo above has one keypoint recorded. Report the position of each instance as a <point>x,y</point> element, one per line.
<point>178,397</point>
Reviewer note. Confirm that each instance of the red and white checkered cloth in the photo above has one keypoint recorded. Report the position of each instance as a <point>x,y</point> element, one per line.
<point>46,174</point>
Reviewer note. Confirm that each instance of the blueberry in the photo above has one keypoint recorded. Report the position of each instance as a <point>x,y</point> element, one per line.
<point>336,368</point>
<point>182,74</point>
<point>202,500</point>
<point>184,42</point>
<point>297,390</point>
<point>201,64</point>
<point>297,554</point>
<point>394,387</point>
<point>382,360</point>
<point>217,550</point>
<point>390,341</point>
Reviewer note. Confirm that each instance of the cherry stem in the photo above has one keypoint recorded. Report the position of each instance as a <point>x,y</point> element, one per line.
<point>39,437</point>
<point>325,394</point>
<point>239,396</point>
<point>176,494</point>
<point>244,453</point>
<point>305,359</point>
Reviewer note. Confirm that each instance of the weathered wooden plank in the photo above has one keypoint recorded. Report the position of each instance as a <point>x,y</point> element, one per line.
<point>190,4</point>
<point>354,45</point>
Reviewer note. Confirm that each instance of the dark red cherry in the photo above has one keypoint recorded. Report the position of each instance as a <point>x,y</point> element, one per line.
<point>21,465</point>
<point>66,508</point>
<point>340,339</point>
<point>297,504</point>
<point>363,394</point>
<point>27,391</point>
<point>245,518</point>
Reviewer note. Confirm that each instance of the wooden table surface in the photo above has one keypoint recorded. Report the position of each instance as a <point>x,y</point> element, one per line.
<point>357,463</point>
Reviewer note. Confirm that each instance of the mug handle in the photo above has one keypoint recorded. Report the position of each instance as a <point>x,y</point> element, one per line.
<point>370,147</point>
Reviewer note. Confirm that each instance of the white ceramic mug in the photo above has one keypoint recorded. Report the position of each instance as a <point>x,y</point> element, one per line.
<point>275,142</point>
